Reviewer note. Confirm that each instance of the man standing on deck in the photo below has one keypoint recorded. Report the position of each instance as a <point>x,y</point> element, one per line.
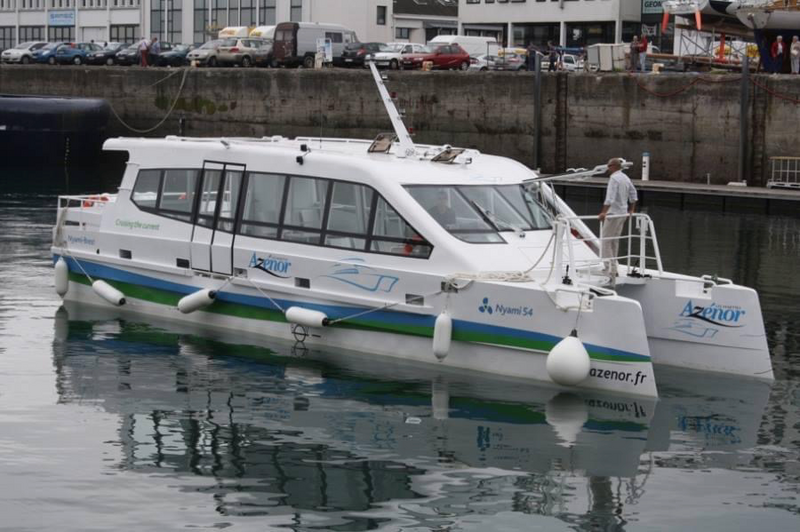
<point>620,199</point>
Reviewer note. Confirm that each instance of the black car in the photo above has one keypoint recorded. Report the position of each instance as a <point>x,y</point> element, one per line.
<point>106,56</point>
<point>176,56</point>
<point>355,53</point>
<point>130,55</point>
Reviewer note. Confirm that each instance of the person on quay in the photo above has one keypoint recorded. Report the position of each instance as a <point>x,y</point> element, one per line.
<point>144,47</point>
<point>621,198</point>
<point>155,49</point>
<point>794,52</point>
<point>777,53</point>
<point>552,57</point>
<point>634,54</point>
<point>643,53</point>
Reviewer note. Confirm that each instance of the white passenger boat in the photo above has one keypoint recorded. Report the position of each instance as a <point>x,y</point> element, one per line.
<point>425,253</point>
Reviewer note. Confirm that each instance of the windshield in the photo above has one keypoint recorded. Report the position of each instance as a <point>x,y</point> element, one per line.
<point>52,45</point>
<point>387,48</point>
<point>210,44</point>
<point>478,213</point>
<point>23,46</point>
<point>181,48</point>
<point>113,46</point>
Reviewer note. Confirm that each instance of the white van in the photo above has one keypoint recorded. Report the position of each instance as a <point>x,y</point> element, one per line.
<point>296,42</point>
<point>233,31</point>
<point>264,32</point>
<point>474,46</point>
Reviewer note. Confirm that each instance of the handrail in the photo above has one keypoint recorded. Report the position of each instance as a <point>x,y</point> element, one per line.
<point>642,257</point>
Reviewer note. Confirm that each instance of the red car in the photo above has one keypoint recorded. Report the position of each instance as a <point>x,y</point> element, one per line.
<point>446,56</point>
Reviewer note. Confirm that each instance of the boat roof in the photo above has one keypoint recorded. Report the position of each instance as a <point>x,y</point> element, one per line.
<point>469,167</point>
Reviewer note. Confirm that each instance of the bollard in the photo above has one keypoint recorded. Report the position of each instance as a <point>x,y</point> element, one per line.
<point>646,166</point>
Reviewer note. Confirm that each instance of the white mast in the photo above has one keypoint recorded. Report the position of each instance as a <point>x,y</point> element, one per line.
<point>404,139</point>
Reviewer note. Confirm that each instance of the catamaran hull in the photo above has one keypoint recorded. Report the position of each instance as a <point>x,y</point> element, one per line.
<point>701,324</point>
<point>243,309</point>
<point>763,19</point>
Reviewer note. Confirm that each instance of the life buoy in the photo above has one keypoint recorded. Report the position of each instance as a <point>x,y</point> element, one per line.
<point>89,202</point>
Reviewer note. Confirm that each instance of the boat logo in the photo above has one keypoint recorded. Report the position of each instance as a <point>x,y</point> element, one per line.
<point>503,310</point>
<point>274,266</point>
<point>353,272</point>
<point>722,316</point>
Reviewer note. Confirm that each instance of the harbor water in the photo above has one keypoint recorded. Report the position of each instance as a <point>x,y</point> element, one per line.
<point>112,421</point>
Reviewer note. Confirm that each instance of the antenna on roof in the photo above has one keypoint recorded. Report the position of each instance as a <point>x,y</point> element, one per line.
<point>406,144</point>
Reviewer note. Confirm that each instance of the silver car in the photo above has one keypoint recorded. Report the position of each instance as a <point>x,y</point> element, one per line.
<point>22,53</point>
<point>206,55</point>
<point>238,51</point>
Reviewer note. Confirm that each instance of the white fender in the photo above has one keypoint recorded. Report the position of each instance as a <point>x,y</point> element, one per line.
<point>306,317</point>
<point>442,335</point>
<point>109,293</point>
<point>197,300</point>
<point>568,362</point>
<point>61,277</point>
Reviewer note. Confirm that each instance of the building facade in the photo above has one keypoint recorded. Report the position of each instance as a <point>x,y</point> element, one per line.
<point>564,22</point>
<point>197,21</point>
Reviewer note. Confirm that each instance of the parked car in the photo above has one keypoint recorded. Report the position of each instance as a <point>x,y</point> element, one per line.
<point>22,53</point>
<point>296,42</point>
<point>106,56</point>
<point>176,56</point>
<point>448,56</point>
<point>567,62</point>
<point>391,54</point>
<point>206,54</point>
<point>128,56</point>
<point>507,61</point>
<point>474,46</point>
<point>47,54</point>
<point>355,53</point>
<point>75,53</point>
<point>238,51</point>
<point>263,54</point>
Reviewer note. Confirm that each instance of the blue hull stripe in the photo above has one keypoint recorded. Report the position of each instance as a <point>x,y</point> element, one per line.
<point>332,311</point>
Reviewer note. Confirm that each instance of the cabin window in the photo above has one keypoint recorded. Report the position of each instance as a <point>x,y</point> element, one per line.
<point>262,205</point>
<point>305,206</point>
<point>208,197</point>
<point>231,189</point>
<point>476,214</point>
<point>326,212</point>
<point>145,191</point>
<point>178,190</point>
<point>349,215</point>
<point>391,234</point>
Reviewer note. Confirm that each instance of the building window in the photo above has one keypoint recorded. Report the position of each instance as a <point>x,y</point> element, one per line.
<point>474,1</point>
<point>266,15</point>
<point>296,13</point>
<point>125,33</point>
<point>175,22</point>
<point>31,33</point>
<point>6,37</point>
<point>61,33</point>
<point>200,21</point>
<point>381,16</point>
<point>247,13</point>
<point>402,33</point>
<point>219,16</point>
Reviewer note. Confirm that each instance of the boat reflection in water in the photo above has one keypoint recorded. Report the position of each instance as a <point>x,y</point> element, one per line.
<point>298,436</point>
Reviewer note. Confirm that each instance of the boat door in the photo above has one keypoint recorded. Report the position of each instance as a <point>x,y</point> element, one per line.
<point>217,204</point>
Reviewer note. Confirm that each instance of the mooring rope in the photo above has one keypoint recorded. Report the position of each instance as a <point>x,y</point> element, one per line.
<point>171,108</point>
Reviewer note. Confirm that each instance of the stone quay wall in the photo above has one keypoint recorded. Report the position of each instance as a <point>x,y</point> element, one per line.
<point>689,123</point>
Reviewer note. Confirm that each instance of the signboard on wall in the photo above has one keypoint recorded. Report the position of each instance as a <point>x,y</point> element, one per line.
<point>651,7</point>
<point>61,18</point>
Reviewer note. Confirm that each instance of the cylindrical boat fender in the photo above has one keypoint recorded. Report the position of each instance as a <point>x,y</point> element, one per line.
<point>109,293</point>
<point>568,362</point>
<point>197,300</point>
<point>442,335</point>
<point>306,317</point>
<point>61,277</point>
